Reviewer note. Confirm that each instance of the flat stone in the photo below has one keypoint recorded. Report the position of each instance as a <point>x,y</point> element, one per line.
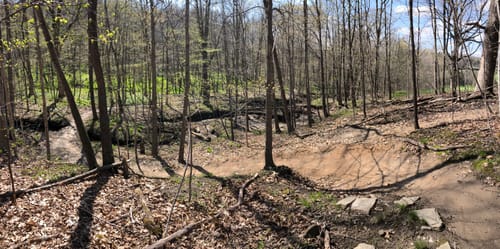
<point>363,205</point>
<point>444,246</point>
<point>364,246</point>
<point>312,231</point>
<point>407,201</point>
<point>431,217</point>
<point>346,201</point>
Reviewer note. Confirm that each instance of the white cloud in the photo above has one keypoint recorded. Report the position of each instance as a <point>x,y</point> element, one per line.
<point>401,9</point>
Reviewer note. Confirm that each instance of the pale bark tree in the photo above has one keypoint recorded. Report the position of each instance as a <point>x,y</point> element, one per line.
<point>490,50</point>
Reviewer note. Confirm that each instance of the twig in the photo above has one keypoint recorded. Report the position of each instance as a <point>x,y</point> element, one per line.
<point>68,180</point>
<point>187,229</point>
<point>34,240</point>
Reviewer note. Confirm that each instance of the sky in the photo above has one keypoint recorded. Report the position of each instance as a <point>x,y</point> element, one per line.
<point>421,8</point>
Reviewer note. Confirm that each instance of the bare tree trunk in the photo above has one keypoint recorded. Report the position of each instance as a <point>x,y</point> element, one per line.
<point>490,50</point>
<point>45,113</point>
<point>279,74</point>
<point>269,162</point>
<point>87,146</point>
<point>413,66</point>
<point>324,99</point>
<point>187,84</point>
<point>154,105</point>
<point>106,143</point>
<point>203,18</point>
<point>306,67</point>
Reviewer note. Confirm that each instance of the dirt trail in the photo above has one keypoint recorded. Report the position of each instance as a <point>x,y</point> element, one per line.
<point>65,143</point>
<point>470,208</point>
<point>357,159</point>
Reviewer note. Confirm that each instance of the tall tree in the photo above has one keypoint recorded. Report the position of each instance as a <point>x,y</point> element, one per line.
<point>154,105</point>
<point>187,84</point>
<point>490,50</point>
<point>413,66</point>
<point>306,66</point>
<point>82,133</point>
<point>324,97</point>
<point>203,8</point>
<point>269,162</point>
<point>106,143</point>
<point>41,79</point>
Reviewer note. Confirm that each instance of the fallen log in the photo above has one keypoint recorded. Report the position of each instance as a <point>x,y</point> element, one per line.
<point>190,227</point>
<point>65,181</point>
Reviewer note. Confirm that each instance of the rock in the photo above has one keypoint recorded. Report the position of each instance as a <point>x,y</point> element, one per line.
<point>346,201</point>
<point>431,217</point>
<point>364,246</point>
<point>363,204</point>
<point>386,233</point>
<point>444,246</point>
<point>407,201</point>
<point>312,231</point>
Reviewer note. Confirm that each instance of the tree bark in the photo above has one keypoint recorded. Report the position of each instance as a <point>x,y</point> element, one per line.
<point>45,112</point>
<point>269,162</point>
<point>187,84</point>
<point>106,143</point>
<point>413,67</point>
<point>490,50</point>
<point>87,146</point>
<point>154,105</point>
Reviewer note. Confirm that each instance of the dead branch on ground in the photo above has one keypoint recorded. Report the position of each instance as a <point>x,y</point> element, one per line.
<point>189,228</point>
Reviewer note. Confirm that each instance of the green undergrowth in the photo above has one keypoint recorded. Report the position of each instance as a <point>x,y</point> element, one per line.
<point>488,166</point>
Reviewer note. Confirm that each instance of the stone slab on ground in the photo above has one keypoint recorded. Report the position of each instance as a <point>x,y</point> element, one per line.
<point>444,246</point>
<point>346,201</point>
<point>363,204</point>
<point>364,246</point>
<point>431,217</point>
<point>407,201</point>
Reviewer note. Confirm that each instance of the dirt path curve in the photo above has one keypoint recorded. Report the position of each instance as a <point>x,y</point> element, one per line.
<point>348,158</point>
<point>471,209</point>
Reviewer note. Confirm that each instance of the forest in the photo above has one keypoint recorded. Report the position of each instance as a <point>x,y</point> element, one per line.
<point>249,124</point>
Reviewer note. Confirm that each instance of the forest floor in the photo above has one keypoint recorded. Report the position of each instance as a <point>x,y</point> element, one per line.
<point>381,156</point>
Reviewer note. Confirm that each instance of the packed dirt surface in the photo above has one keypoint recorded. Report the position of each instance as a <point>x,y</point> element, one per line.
<point>340,156</point>
<point>380,157</point>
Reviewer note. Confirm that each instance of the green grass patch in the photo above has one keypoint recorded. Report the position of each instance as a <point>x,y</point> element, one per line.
<point>317,199</point>
<point>421,244</point>
<point>488,167</point>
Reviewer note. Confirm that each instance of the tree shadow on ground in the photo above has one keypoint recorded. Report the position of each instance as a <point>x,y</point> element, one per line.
<point>80,238</point>
<point>166,166</point>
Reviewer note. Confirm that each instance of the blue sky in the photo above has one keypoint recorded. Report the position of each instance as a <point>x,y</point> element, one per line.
<point>421,8</point>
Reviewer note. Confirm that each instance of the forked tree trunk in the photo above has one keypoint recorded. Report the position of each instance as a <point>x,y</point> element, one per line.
<point>490,50</point>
